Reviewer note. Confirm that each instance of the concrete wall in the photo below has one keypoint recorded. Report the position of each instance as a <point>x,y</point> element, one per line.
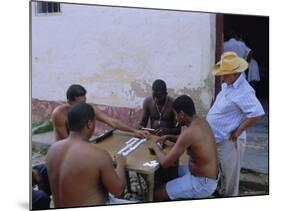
<point>116,54</point>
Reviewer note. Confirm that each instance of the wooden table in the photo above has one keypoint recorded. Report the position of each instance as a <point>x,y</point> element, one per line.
<point>136,158</point>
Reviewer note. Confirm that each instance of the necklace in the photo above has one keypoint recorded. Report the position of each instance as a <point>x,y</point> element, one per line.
<point>160,112</point>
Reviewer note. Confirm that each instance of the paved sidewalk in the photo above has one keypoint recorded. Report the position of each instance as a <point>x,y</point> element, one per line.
<point>256,154</point>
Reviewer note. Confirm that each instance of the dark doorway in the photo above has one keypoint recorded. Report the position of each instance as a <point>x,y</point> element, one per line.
<point>254,31</point>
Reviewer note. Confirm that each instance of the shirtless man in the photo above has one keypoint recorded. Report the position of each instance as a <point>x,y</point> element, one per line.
<point>198,179</point>
<point>79,173</point>
<point>159,110</point>
<point>77,93</point>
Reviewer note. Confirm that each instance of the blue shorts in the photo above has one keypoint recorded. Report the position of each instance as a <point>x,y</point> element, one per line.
<point>189,186</point>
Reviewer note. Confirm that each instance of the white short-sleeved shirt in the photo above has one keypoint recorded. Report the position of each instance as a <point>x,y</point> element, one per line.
<point>238,47</point>
<point>232,106</point>
<point>254,73</point>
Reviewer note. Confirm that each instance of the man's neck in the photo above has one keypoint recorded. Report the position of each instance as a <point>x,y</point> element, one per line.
<point>235,79</point>
<point>189,121</point>
<point>78,135</point>
<point>163,103</point>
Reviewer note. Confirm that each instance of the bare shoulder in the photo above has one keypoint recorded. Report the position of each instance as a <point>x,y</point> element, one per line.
<point>60,110</point>
<point>186,134</point>
<point>148,101</point>
<point>55,148</point>
<point>99,155</point>
<point>170,99</point>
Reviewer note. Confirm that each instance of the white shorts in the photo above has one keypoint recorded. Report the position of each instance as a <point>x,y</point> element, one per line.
<point>113,200</point>
<point>189,186</point>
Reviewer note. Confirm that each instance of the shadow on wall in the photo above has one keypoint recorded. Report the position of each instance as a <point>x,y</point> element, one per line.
<point>42,110</point>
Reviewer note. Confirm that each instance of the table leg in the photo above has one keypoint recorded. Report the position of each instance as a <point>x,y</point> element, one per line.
<point>140,184</point>
<point>150,182</point>
<point>128,182</point>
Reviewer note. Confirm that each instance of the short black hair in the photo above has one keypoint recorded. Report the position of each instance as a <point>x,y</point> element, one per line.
<point>159,85</point>
<point>184,103</point>
<point>78,115</point>
<point>75,90</point>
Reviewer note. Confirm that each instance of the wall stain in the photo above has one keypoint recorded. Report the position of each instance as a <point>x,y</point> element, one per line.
<point>201,96</point>
<point>141,88</point>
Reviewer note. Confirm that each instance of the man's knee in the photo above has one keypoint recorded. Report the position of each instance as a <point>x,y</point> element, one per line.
<point>40,200</point>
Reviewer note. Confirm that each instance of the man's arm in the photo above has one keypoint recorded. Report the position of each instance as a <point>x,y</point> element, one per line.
<point>114,180</point>
<point>243,126</point>
<point>172,138</point>
<point>59,125</point>
<point>166,131</point>
<point>145,115</point>
<point>252,108</point>
<point>101,116</point>
<point>174,154</point>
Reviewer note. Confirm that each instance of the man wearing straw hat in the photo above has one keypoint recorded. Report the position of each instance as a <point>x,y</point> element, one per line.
<point>235,109</point>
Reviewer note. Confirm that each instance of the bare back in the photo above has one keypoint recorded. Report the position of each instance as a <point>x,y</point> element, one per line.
<point>59,119</point>
<point>199,143</point>
<point>75,173</point>
<point>202,149</point>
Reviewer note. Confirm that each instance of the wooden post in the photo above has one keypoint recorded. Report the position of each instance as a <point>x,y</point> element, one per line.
<point>219,48</point>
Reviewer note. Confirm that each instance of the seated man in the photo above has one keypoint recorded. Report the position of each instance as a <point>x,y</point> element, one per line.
<point>77,93</point>
<point>81,174</point>
<point>40,197</point>
<point>158,109</point>
<point>199,178</point>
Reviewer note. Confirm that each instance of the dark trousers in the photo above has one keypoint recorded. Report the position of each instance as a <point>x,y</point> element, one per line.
<point>164,175</point>
<point>40,200</point>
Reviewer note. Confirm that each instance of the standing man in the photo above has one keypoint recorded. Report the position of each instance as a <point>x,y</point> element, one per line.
<point>236,108</point>
<point>199,177</point>
<point>77,93</point>
<point>236,44</point>
<point>81,174</point>
<point>254,72</point>
<point>159,110</point>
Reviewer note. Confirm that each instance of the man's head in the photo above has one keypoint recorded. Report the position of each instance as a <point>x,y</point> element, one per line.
<point>81,119</point>
<point>232,33</point>
<point>229,67</point>
<point>76,93</point>
<point>184,108</point>
<point>159,91</point>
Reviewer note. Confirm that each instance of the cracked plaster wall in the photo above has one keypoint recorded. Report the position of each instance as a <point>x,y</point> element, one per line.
<point>116,54</point>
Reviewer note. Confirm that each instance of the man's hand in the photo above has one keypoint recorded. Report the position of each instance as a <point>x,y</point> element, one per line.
<point>235,134</point>
<point>142,134</point>
<point>37,179</point>
<point>155,146</point>
<point>161,141</point>
<point>162,131</point>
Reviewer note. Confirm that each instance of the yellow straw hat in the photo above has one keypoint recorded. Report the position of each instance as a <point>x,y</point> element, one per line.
<point>230,63</point>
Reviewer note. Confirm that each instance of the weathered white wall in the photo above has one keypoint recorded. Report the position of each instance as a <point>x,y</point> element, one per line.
<point>116,53</point>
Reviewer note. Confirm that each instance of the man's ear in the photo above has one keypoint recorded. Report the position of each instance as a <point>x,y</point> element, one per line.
<point>90,124</point>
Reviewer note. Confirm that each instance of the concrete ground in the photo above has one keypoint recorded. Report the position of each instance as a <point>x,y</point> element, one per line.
<point>255,166</point>
<point>256,154</point>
